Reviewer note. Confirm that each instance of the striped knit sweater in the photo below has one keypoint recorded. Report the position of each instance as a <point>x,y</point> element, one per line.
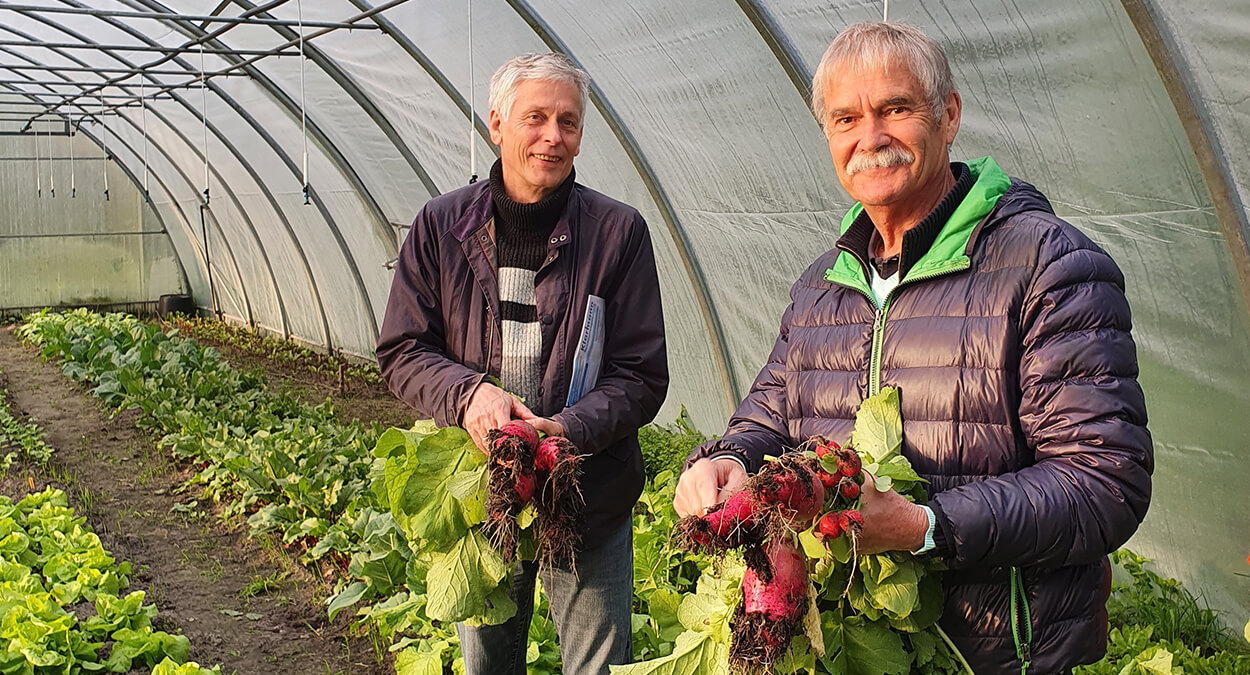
<point>521,233</point>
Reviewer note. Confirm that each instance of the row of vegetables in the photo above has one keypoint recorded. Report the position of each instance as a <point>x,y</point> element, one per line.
<point>396,518</point>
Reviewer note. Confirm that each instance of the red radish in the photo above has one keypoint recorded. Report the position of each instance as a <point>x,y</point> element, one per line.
<point>549,451</point>
<point>830,526</point>
<point>830,480</point>
<point>731,524</point>
<point>522,430</point>
<point>792,483</point>
<point>525,487</point>
<point>771,611</point>
<point>825,447</point>
<point>510,487</point>
<point>848,488</point>
<point>851,520</point>
<point>559,502</point>
<point>849,463</point>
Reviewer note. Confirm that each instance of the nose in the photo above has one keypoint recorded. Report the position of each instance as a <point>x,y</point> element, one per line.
<point>551,131</point>
<point>875,133</point>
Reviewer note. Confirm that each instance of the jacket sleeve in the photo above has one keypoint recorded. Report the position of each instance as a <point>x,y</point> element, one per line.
<point>1083,416</point>
<point>758,427</point>
<point>633,379</point>
<point>411,347</point>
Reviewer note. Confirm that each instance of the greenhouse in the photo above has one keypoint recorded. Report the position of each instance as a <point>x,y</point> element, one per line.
<point>259,165</point>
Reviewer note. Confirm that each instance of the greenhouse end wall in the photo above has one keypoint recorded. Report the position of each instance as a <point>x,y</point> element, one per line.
<point>73,246</point>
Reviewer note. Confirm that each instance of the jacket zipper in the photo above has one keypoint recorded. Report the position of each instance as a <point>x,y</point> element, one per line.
<point>878,322</point>
<point>1021,624</point>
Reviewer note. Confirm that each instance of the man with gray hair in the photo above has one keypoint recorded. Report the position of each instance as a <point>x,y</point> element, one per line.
<point>533,297</point>
<point>1007,333</point>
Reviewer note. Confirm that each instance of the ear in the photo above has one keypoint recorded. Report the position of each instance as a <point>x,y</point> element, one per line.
<point>950,117</point>
<point>496,121</point>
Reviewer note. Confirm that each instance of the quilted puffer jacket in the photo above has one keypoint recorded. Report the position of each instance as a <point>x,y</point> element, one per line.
<point>1009,341</point>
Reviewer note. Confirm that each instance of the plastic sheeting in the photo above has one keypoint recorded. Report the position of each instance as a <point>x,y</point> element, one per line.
<point>75,247</point>
<point>1132,116</point>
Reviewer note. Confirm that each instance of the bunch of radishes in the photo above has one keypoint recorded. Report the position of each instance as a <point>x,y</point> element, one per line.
<point>762,520</point>
<point>525,470</point>
<point>842,473</point>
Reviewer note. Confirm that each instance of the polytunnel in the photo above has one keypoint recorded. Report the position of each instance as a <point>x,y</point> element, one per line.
<point>267,159</point>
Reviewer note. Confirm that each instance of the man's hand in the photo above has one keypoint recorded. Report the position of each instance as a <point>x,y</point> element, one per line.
<point>891,523</point>
<point>490,408</point>
<point>546,425</point>
<point>706,483</point>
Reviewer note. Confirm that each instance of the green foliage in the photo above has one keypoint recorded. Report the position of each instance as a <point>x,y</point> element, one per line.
<point>665,448</point>
<point>1159,628</point>
<point>295,470</point>
<point>25,436</point>
<point>252,341</point>
<point>50,563</point>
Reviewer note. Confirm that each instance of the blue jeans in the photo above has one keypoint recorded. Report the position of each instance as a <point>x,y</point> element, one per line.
<point>591,608</point>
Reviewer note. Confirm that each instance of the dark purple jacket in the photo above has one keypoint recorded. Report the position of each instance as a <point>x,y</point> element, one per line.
<point>441,334</point>
<point>1017,374</point>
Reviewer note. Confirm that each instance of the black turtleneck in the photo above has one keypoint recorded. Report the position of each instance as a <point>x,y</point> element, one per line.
<point>859,237</point>
<point>521,230</point>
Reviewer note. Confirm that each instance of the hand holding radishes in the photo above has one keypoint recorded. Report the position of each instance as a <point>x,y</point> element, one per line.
<point>706,483</point>
<point>490,408</point>
<point>890,522</point>
<point>546,425</point>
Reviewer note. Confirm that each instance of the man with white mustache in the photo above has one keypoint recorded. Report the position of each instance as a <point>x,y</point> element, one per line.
<point>1007,333</point>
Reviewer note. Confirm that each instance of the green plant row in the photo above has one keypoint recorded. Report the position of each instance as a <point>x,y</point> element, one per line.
<point>19,437</point>
<point>251,341</point>
<point>60,609</point>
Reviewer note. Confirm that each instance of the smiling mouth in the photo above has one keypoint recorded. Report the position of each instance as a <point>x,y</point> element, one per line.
<point>547,158</point>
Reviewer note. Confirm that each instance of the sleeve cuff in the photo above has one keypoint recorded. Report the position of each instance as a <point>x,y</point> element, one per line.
<point>732,458</point>
<point>929,544</point>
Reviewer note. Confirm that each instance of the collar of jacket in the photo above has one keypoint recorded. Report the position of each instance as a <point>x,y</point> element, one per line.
<point>481,210</point>
<point>953,243</point>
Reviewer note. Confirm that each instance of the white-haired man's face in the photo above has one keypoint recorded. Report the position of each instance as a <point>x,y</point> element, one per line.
<point>539,138</point>
<point>886,145</point>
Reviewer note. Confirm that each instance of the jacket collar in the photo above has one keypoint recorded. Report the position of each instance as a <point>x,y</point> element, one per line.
<point>953,242</point>
<point>481,210</point>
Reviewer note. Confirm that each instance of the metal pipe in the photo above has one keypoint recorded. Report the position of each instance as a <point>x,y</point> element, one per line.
<point>129,14</point>
<point>88,69</point>
<point>1204,138</point>
<point>72,235</point>
<point>65,94</point>
<point>83,85</point>
<point>145,48</point>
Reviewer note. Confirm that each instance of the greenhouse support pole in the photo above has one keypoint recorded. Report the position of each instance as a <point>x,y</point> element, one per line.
<point>1213,163</point>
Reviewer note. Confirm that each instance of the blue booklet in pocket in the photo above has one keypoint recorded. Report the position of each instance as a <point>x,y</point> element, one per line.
<point>589,356</point>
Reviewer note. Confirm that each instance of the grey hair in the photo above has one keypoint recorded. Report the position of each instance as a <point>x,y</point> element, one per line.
<point>550,66</point>
<point>873,45</point>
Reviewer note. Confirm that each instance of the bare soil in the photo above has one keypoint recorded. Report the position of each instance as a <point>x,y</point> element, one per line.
<point>202,575</point>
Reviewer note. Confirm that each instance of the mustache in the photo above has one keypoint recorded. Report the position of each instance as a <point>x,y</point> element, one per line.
<point>886,157</point>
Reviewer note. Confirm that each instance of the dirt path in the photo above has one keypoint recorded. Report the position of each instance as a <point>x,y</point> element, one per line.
<point>242,602</point>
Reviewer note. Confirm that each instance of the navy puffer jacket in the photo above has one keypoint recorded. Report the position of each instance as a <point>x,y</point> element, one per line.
<point>1010,344</point>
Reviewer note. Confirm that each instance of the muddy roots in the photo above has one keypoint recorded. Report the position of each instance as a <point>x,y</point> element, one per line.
<point>560,506</point>
<point>758,642</point>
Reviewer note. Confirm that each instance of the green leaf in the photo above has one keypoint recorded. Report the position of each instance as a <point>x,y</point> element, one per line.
<point>879,426</point>
<point>873,649</point>
<point>348,597</point>
<point>499,608</point>
<point>694,654</point>
<point>460,580</point>
<point>420,661</point>
<point>430,514</point>
<point>664,604</point>
<point>386,573</point>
